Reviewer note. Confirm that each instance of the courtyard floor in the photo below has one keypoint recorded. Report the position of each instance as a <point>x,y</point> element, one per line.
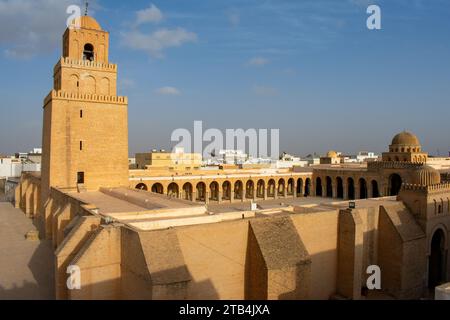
<point>26,267</point>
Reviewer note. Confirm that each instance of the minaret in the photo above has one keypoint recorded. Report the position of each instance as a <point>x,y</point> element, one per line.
<point>85,127</point>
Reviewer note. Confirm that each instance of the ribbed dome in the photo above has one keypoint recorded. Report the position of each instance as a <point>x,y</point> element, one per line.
<point>426,176</point>
<point>87,22</point>
<point>332,154</point>
<point>405,138</point>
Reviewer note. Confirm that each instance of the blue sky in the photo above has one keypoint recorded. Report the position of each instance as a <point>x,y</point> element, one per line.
<point>310,68</point>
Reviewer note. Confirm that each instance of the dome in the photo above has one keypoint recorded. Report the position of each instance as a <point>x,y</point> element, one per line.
<point>426,176</point>
<point>331,154</point>
<point>405,138</point>
<point>87,22</point>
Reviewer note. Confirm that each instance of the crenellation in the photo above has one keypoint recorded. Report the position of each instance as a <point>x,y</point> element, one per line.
<point>59,94</point>
<point>84,64</point>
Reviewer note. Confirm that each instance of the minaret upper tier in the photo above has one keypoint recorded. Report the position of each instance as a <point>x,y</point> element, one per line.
<point>85,40</point>
<point>84,67</point>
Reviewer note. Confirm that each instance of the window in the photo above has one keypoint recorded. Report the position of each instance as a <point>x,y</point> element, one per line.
<point>80,177</point>
<point>81,113</point>
<point>81,145</point>
<point>88,52</point>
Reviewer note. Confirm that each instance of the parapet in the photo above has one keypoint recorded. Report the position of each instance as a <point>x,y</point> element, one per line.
<point>58,95</point>
<point>85,64</point>
<point>376,165</point>
<point>442,187</point>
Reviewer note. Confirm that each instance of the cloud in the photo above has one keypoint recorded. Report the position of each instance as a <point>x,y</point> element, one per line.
<point>149,15</point>
<point>30,27</point>
<point>234,18</point>
<point>168,91</point>
<point>157,41</point>
<point>265,90</point>
<point>258,61</point>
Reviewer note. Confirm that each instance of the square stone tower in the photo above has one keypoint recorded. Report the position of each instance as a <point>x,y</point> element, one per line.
<point>85,126</point>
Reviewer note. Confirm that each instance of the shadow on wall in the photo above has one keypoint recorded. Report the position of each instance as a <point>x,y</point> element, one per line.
<point>145,290</point>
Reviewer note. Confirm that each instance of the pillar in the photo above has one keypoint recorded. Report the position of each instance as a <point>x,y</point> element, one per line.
<point>334,190</point>
<point>231,195</point>
<point>345,190</point>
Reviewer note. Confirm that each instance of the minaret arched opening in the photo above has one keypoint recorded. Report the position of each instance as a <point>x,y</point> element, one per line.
<point>88,52</point>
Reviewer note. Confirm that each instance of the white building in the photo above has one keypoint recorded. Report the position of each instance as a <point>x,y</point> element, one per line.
<point>13,167</point>
<point>288,161</point>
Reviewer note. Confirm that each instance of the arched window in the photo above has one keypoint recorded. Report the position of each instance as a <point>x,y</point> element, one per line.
<point>88,52</point>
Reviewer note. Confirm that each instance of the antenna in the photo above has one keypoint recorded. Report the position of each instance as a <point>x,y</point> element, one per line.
<point>86,3</point>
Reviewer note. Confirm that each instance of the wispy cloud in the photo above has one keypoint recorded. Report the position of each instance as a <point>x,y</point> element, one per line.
<point>258,62</point>
<point>30,27</point>
<point>264,90</point>
<point>168,91</point>
<point>155,42</point>
<point>150,15</point>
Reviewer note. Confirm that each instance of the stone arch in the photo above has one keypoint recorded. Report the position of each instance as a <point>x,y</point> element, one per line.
<point>142,186</point>
<point>329,187</point>
<point>226,190</point>
<point>249,189</point>
<point>173,190</point>
<point>271,188</point>
<point>351,188</point>
<point>89,84</point>
<point>88,52</point>
<point>375,190</point>
<point>437,258</point>
<point>339,188</point>
<point>299,187</point>
<point>201,191</point>
<point>318,187</point>
<point>238,190</point>
<point>307,187</point>
<point>104,87</point>
<point>260,188</point>
<point>158,188</point>
<point>187,191</point>
<point>395,183</point>
<point>74,83</point>
<point>362,188</point>
<point>214,191</point>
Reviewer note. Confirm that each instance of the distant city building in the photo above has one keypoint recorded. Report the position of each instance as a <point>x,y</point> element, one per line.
<point>177,160</point>
<point>288,161</point>
<point>12,167</point>
<point>312,159</point>
<point>332,157</point>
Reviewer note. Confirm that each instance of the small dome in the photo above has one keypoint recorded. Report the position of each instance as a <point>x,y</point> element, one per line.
<point>426,176</point>
<point>87,22</point>
<point>405,138</point>
<point>332,154</point>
